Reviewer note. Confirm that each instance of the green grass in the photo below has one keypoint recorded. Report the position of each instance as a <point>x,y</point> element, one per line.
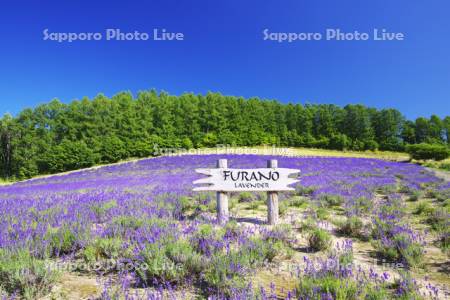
<point>319,240</point>
<point>338,288</point>
<point>440,165</point>
<point>25,275</point>
<point>103,248</point>
<point>351,227</point>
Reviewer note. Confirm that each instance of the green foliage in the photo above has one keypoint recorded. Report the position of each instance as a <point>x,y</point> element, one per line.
<point>376,293</point>
<point>446,203</point>
<point>57,137</point>
<point>395,207</point>
<point>283,208</point>
<point>298,201</point>
<point>322,283</point>
<point>406,287</point>
<point>331,200</point>
<point>362,205</point>
<point>322,213</point>
<point>402,249</point>
<point>157,265</point>
<point>141,148</point>
<point>246,197</point>
<point>438,219</point>
<point>206,232</point>
<point>62,240</point>
<point>443,165</point>
<point>346,258</point>
<point>233,203</point>
<point>307,225</point>
<point>352,227</point>
<point>186,143</point>
<point>128,222</point>
<point>412,253</point>
<point>423,208</point>
<point>339,142</point>
<point>415,195</point>
<point>319,239</point>
<point>387,189</point>
<point>428,151</point>
<point>186,204</point>
<point>68,155</point>
<point>225,270</point>
<point>444,241</point>
<point>25,275</point>
<point>103,248</point>
<point>113,149</point>
<point>443,195</point>
<point>184,256</point>
<point>304,190</point>
<point>388,129</point>
<point>170,262</point>
<point>337,288</point>
<point>254,204</point>
<point>257,250</point>
<point>232,228</point>
<point>283,233</point>
<point>90,254</point>
<point>221,275</point>
<point>101,209</point>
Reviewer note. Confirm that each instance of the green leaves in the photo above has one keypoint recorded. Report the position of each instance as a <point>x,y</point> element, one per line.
<point>319,239</point>
<point>69,155</point>
<point>23,274</point>
<point>57,137</point>
<point>428,151</point>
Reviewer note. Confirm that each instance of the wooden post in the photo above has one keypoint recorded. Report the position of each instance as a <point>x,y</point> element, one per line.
<point>222,198</point>
<point>272,199</point>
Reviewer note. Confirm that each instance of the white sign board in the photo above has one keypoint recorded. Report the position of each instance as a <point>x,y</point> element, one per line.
<point>238,180</point>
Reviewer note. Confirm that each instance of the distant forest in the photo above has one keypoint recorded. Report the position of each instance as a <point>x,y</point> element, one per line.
<point>56,137</point>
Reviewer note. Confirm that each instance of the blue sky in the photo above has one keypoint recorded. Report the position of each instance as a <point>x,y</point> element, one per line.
<point>224,51</point>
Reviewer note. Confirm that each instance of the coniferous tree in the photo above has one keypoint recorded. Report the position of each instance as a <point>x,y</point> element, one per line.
<point>56,137</point>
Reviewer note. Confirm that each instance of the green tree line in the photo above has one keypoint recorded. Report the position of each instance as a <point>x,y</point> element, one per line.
<point>56,137</point>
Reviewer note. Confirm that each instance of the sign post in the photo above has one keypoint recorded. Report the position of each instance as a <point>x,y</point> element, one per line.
<point>272,199</point>
<point>222,198</point>
<point>223,180</point>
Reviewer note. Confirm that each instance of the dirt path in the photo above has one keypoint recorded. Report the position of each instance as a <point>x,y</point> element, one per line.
<point>435,271</point>
<point>440,173</point>
<point>75,287</point>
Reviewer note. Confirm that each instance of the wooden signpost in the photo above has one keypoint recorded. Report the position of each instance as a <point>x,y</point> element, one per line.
<point>223,180</point>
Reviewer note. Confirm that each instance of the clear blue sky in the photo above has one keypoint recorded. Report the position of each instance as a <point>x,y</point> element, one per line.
<point>224,51</point>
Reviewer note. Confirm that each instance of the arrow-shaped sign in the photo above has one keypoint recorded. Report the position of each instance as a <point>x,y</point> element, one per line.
<point>235,180</point>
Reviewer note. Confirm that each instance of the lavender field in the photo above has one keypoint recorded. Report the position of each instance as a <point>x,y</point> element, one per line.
<point>355,228</point>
